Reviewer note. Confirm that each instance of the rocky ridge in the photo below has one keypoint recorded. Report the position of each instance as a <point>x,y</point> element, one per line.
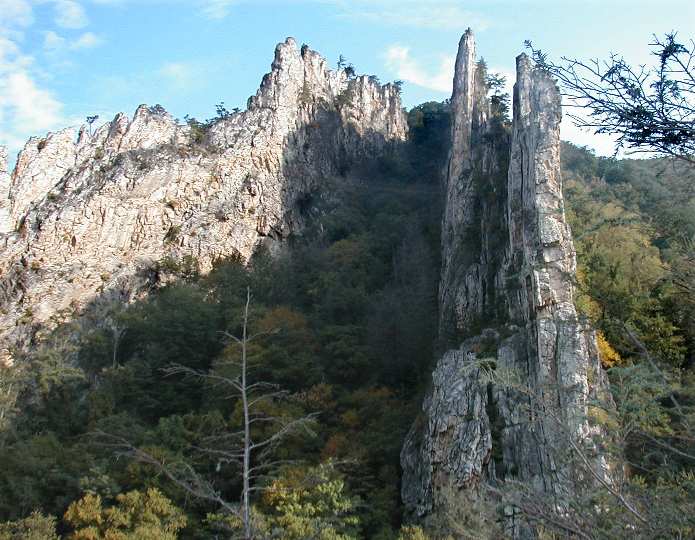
<point>87,215</point>
<point>506,303</point>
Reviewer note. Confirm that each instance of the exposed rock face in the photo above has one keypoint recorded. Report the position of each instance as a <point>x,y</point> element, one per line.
<point>4,193</point>
<point>91,213</point>
<point>506,294</point>
<point>475,201</point>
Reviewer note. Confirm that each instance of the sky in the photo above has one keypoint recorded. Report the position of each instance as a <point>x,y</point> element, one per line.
<point>62,60</point>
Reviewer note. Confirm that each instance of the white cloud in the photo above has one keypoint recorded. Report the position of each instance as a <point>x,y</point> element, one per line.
<point>399,61</point>
<point>15,13</point>
<point>177,73</point>
<point>70,14</point>
<point>217,9</point>
<point>26,109</point>
<point>54,43</point>
<point>9,53</point>
<point>32,109</point>
<point>87,40</point>
<point>436,14</point>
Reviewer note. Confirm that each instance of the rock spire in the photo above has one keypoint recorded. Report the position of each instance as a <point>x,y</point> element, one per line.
<point>506,300</point>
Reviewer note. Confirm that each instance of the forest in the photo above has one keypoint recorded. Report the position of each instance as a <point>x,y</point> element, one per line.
<point>125,431</point>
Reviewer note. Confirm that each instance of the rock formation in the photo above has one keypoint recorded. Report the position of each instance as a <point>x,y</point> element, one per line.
<point>506,300</point>
<point>90,214</point>
<point>4,193</point>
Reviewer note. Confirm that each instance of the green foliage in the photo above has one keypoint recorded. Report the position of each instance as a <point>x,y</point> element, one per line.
<point>354,303</point>
<point>35,527</point>
<point>135,516</point>
<point>412,532</point>
<point>645,442</point>
<point>495,84</point>
<point>462,515</point>
<point>12,379</point>
<point>632,246</point>
<point>172,234</point>
<point>197,130</point>
<point>633,223</point>
<point>222,113</point>
<point>311,503</point>
<point>337,350</point>
<point>345,97</point>
<point>186,267</point>
<point>39,472</point>
<point>428,125</point>
<point>645,108</point>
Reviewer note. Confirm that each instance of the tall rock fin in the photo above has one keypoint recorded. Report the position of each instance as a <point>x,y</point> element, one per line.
<point>506,299</point>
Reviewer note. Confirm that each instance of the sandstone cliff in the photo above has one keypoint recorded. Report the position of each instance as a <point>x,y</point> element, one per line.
<point>86,215</point>
<point>506,302</point>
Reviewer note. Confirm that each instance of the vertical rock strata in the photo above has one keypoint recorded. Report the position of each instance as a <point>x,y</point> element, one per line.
<point>472,241</point>
<point>5,226</point>
<point>506,299</point>
<point>88,214</point>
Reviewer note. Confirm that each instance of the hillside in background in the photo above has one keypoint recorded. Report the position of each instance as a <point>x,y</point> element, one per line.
<point>634,222</point>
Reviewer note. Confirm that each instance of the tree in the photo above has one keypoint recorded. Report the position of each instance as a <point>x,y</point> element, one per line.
<point>499,99</point>
<point>35,527</point>
<point>649,109</point>
<point>136,516</point>
<point>252,447</point>
<point>222,112</point>
<point>311,504</point>
<point>198,129</point>
<point>90,121</point>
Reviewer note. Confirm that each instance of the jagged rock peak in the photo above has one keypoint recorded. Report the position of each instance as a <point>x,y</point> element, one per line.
<point>462,104</point>
<point>506,299</point>
<point>467,159</point>
<point>91,214</point>
<point>469,107</point>
<point>293,70</point>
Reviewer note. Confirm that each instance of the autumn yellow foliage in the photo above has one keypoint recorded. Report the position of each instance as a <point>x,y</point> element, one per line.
<point>609,356</point>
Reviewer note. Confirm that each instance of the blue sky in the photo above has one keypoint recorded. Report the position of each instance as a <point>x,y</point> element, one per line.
<point>61,60</point>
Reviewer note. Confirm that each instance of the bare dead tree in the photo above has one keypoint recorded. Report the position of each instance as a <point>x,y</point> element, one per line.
<point>246,449</point>
<point>118,329</point>
<point>649,109</point>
